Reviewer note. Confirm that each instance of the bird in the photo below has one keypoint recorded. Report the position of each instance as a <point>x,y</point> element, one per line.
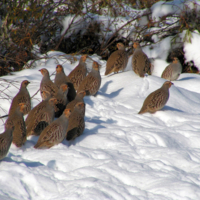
<point>46,83</point>
<point>17,120</point>
<point>140,61</point>
<point>62,100</point>
<point>61,78</point>
<point>22,96</point>
<point>79,72</point>
<point>91,83</point>
<point>54,133</point>
<point>5,141</point>
<point>157,99</point>
<point>29,119</point>
<point>172,71</point>
<point>76,124</point>
<point>79,98</point>
<point>117,60</point>
<point>41,116</point>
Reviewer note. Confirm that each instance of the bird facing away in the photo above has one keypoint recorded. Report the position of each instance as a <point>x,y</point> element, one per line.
<point>46,83</point>
<point>117,60</point>
<point>91,83</point>
<point>76,122</point>
<point>55,132</point>
<point>22,96</point>
<point>172,71</point>
<point>61,78</point>
<point>62,100</point>
<point>17,120</point>
<point>40,116</point>
<point>79,98</point>
<point>79,72</point>
<point>5,141</point>
<point>157,99</point>
<point>140,61</point>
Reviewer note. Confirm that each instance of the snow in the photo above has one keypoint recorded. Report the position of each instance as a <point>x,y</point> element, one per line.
<point>121,155</point>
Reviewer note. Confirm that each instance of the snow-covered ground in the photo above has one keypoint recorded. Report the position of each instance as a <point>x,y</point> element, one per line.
<point>121,154</point>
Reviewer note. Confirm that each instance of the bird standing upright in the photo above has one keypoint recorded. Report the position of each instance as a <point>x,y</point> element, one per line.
<point>117,60</point>
<point>46,83</point>
<point>140,61</point>
<point>157,99</point>
<point>91,83</point>
<point>79,72</point>
<point>61,78</point>
<point>17,120</point>
<point>172,71</point>
<point>76,122</point>
<point>22,96</point>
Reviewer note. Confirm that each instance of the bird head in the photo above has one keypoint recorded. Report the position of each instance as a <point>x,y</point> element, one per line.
<point>95,65</point>
<point>82,92</point>
<point>67,112</point>
<point>44,71</point>
<point>120,46</point>
<point>80,105</point>
<point>59,68</point>
<point>136,45</point>
<point>25,83</point>
<point>83,58</point>
<point>168,84</point>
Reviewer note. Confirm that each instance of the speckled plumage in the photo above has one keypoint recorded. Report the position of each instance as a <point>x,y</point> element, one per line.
<point>5,141</point>
<point>76,122</point>
<point>22,96</point>
<point>172,71</point>
<point>157,99</point>
<point>91,83</point>
<point>79,72</point>
<point>55,132</point>
<point>17,120</point>
<point>79,98</point>
<point>61,78</point>
<point>40,116</point>
<point>117,60</point>
<point>140,61</point>
<point>46,83</point>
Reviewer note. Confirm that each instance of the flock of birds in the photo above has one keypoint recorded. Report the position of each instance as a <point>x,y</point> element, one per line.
<point>63,99</point>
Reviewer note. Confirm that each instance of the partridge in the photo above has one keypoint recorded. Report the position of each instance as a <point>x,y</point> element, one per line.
<point>91,83</point>
<point>55,132</point>
<point>61,78</point>
<point>22,96</point>
<point>76,122</point>
<point>157,99</point>
<point>5,141</point>
<point>40,116</point>
<point>17,120</point>
<point>46,83</point>
<point>117,60</point>
<point>62,100</point>
<point>172,71</point>
<point>79,72</point>
<point>79,98</point>
<point>140,61</point>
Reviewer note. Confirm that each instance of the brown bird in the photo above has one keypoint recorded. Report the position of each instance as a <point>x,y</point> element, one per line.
<point>61,78</point>
<point>91,83</point>
<point>140,61</point>
<point>76,122</point>
<point>46,83</point>
<point>62,100</point>
<point>5,141</point>
<point>117,60</point>
<point>157,99</point>
<point>29,119</point>
<point>22,96</point>
<point>172,71</point>
<point>79,72</point>
<point>55,132</point>
<point>17,120</point>
<point>79,98</point>
<point>40,116</point>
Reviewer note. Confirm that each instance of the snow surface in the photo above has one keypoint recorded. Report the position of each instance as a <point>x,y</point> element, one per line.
<point>121,155</point>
